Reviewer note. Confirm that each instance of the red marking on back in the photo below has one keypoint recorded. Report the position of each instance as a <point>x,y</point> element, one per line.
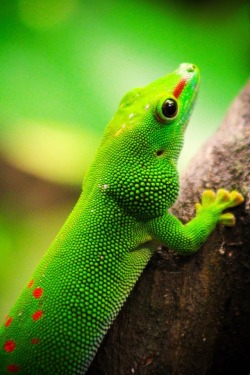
<point>37,315</point>
<point>35,341</point>
<point>13,368</point>
<point>179,87</point>
<point>9,346</point>
<point>30,283</point>
<point>8,321</point>
<point>37,293</point>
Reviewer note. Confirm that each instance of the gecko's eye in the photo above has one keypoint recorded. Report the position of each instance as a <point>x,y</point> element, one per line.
<point>167,110</point>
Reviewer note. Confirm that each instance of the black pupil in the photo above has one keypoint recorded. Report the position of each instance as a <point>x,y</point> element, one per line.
<point>169,108</point>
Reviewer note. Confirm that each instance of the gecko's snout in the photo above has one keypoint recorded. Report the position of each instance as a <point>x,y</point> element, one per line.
<point>189,68</point>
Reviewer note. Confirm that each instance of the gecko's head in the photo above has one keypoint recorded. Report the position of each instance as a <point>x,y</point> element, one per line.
<point>154,118</point>
<point>175,96</point>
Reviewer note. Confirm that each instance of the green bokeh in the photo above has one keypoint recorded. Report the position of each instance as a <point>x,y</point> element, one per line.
<point>64,66</point>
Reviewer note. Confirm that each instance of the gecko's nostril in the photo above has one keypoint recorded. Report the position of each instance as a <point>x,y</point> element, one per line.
<point>191,68</point>
<point>187,67</point>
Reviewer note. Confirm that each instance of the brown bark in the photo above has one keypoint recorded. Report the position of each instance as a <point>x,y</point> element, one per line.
<point>191,315</point>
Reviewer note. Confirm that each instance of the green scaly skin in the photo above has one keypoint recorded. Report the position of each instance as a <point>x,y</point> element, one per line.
<point>59,321</point>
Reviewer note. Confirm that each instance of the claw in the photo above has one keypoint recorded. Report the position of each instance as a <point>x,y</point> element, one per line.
<point>227,219</point>
<point>223,196</point>
<point>198,207</point>
<point>236,198</point>
<point>208,197</point>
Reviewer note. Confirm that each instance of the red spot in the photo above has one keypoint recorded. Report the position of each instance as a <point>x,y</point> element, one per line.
<point>13,368</point>
<point>37,293</point>
<point>35,341</point>
<point>37,315</point>
<point>8,321</point>
<point>9,346</point>
<point>30,283</point>
<point>178,89</point>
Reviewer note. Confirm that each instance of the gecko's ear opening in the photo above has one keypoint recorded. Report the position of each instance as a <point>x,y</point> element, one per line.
<point>159,152</point>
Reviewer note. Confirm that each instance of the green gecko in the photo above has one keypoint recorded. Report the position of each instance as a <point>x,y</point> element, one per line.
<point>63,313</point>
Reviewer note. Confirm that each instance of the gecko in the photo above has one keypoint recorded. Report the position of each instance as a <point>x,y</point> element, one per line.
<point>82,281</point>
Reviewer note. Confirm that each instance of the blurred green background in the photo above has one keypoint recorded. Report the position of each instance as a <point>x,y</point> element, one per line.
<point>64,65</point>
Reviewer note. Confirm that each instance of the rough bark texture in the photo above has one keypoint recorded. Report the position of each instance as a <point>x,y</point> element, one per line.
<point>191,315</point>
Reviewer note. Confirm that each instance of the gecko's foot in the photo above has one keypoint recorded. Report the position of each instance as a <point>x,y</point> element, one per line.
<point>221,200</point>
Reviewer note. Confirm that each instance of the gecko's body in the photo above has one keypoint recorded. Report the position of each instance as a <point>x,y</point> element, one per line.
<point>78,288</point>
